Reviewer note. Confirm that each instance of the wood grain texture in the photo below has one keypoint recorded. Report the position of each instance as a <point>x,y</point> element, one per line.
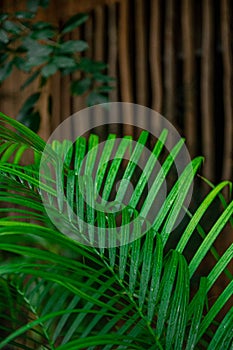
<point>207,72</point>
<point>155,55</point>
<point>113,49</point>
<point>169,62</point>
<point>186,47</point>
<point>124,61</point>
<point>227,57</point>
<point>140,54</point>
<point>189,75</point>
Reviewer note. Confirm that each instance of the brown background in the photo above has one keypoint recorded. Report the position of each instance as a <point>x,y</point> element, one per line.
<point>174,56</point>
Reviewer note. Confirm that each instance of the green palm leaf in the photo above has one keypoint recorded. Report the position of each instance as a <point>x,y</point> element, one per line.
<point>58,293</point>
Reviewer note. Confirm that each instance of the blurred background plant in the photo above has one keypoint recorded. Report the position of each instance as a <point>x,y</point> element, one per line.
<point>172,56</point>
<point>41,49</point>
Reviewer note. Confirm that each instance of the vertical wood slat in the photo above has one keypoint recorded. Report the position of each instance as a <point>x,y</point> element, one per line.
<point>125,74</point>
<point>140,54</point>
<point>112,49</point>
<point>65,96</point>
<point>113,58</point>
<point>190,125</point>
<point>45,125</point>
<point>11,99</point>
<point>73,6</point>
<point>88,36</point>
<point>207,89</point>
<point>78,102</point>
<point>155,56</point>
<point>169,62</point>
<point>124,60</point>
<point>141,64</point>
<point>227,87</point>
<point>56,101</point>
<point>99,38</point>
<point>99,34</point>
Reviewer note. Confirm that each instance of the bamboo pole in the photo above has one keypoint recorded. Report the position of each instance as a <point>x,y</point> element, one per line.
<point>227,87</point>
<point>99,48</point>
<point>113,59</point>
<point>88,36</point>
<point>45,125</point>
<point>155,56</point>
<point>125,74</point>
<point>56,101</point>
<point>190,125</point>
<point>112,49</point>
<point>98,34</point>
<point>140,55</point>
<point>75,6</point>
<point>78,102</point>
<point>169,62</point>
<point>207,89</point>
<point>124,61</point>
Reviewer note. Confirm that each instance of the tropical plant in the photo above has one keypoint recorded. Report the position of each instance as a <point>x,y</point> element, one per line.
<point>58,293</point>
<point>40,49</point>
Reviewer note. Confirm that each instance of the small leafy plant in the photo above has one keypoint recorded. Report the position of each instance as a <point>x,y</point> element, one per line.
<point>58,294</point>
<point>41,49</point>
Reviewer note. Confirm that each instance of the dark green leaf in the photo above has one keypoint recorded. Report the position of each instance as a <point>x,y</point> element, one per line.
<point>64,62</point>
<point>20,49</point>
<point>42,25</point>
<point>50,104</point>
<point>3,36</point>
<point>32,5</point>
<point>104,89</point>
<point>102,78</point>
<point>74,22</point>
<point>24,15</point>
<point>35,61</point>
<point>49,70</point>
<point>5,71</point>
<point>30,79</point>
<point>43,81</point>
<point>28,105</point>
<point>44,3</point>
<point>3,16</point>
<point>31,120</point>
<point>11,27</point>
<point>90,66</point>
<point>94,98</point>
<point>43,34</point>
<point>36,49</point>
<point>3,58</point>
<point>72,46</point>
<point>21,64</point>
<point>78,87</point>
<point>70,70</point>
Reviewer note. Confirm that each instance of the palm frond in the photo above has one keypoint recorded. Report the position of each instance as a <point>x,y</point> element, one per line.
<point>58,293</point>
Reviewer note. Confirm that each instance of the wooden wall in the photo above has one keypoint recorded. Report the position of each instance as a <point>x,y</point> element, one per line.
<point>174,56</point>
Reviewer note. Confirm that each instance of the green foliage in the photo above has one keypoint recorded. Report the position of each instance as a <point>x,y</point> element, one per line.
<point>57,293</point>
<point>41,49</point>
